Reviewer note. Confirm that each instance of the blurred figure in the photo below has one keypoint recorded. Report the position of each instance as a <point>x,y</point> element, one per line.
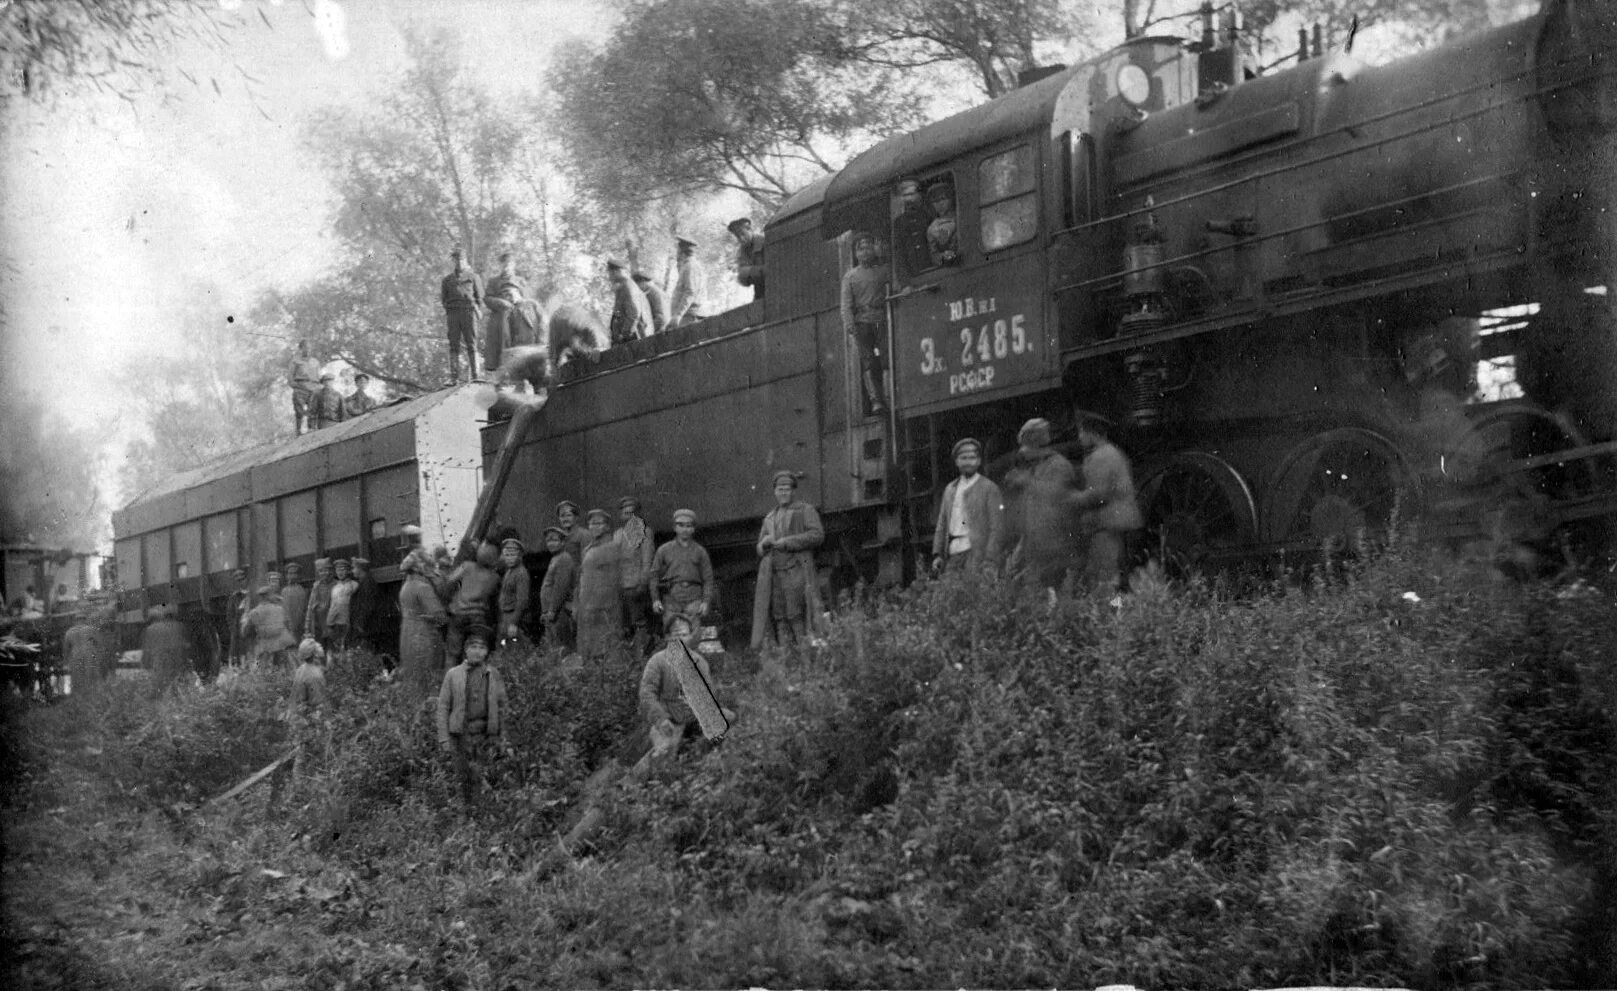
<point>165,648</point>
<point>308,683</point>
<point>631,314</point>
<point>1041,526</point>
<point>689,287</point>
<point>365,609</point>
<point>474,588</point>
<point>471,711</point>
<point>1107,505</point>
<point>461,293</point>
<point>294,598</point>
<point>970,515</point>
<point>265,628</point>
<point>504,289</point>
<point>421,625</point>
<point>656,299</point>
<point>749,255</point>
<point>318,613</point>
<point>576,335</point>
<point>787,597</point>
<point>236,607</point>
<point>90,651</point>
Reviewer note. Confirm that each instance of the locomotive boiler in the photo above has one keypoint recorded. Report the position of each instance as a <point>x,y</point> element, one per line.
<point>1306,298</point>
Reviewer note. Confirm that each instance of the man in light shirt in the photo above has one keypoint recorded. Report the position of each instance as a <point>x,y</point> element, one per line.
<point>968,533</point>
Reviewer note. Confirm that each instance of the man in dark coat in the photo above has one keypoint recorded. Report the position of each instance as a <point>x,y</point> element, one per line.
<point>360,402</point>
<point>787,596</point>
<point>89,650</point>
<point>749,255</point>
<point>365,608</point>
<point>235,610</point>
<point>462,296</point>
<point>1043,524</point>
<point>909,231</point>
<point>165,648</point>
<point>328,403</point>
<point>294,599</point>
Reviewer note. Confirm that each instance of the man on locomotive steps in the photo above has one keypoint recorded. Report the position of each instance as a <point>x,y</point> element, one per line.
<point>462,296</point>
<point>864,315</point>
<point>787,597</point>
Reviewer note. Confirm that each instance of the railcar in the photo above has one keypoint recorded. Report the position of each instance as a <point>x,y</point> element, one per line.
<point>1281,288</point>
<point>359,488</point>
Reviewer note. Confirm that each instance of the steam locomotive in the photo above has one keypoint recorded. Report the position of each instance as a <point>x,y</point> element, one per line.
<point>1281,288</point>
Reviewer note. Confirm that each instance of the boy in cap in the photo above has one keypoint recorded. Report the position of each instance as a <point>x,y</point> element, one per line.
<point>308,682</point>
<point>864,314</point>
<point>515,589</point>
<point>656,299</point>
<point>787,597</point>
<point>636,546</point>
<point>328,403</point>
<point>631,314</point>
<point>471,710</point>
<point>689,286</point>
<point>749,255</point>
<point>462,296</point>
<point>969,515</point>
<point>556,592</point>
<point>681,577</point>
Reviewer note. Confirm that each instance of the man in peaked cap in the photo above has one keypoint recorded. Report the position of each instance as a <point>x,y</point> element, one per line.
<point>328,403</point>
<point>970,515</point>
<point>636,546</point>
<point>749,255</point>
<point>471,712</point>
<point>681,575</point>
<point>556,592</point>
<point>787,597</point>
<point>360,402</point>
<point>461,293</point>
<point>515,589</point>
<point>690,285</point>
<point>909,231</point>
<point>318,611</point>
<point>631,314</point>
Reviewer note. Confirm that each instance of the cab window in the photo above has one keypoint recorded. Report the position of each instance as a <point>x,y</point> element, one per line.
<point>1007,205</point>
<point>925,234</point>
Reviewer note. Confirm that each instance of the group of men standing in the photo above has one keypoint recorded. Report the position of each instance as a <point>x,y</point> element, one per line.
<point>316,400</point>
<point>342,608</point>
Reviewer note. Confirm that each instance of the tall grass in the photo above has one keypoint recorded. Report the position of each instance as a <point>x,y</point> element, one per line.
<point>1404,774</point>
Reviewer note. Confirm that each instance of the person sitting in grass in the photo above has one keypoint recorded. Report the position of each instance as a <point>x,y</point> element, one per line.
<point>669,717</point>
<point>471,710</point>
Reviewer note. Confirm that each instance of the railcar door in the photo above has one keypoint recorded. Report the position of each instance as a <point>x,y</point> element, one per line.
<point>968,321</point>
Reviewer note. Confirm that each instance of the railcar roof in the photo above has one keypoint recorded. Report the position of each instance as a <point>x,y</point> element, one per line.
<point>398,411</point>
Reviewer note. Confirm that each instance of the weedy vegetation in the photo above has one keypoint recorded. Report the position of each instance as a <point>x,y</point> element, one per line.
<point>1401,771</point>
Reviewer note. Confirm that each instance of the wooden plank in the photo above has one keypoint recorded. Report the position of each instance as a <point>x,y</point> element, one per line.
<point>257,776</point>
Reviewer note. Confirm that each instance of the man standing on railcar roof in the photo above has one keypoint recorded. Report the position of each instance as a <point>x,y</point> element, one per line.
<point>462,295</point>
<point>305,383</point>
<point>787,598</point>
<point>656,299</point>
<point>1107,503</point>
<point>328,403</point>
<point>689,287</point>
<point>631,314</point>
<point>503,290</point>
<point>749,255</point>
<point>360,402</point>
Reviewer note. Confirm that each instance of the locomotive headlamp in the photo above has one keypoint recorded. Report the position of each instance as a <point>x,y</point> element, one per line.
<point>1133,84</point>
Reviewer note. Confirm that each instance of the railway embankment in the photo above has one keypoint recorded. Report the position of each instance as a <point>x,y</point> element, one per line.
<point>1402,774</point>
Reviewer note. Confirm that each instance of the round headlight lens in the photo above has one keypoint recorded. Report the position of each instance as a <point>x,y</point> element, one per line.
<point>1133,84</point>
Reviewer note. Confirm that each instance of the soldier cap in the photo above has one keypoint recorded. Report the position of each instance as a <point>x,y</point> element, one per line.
<point>512,542</point>
<point>685,516</point>
<point>594,514</point>
<point>325,561</point>
<point>640,277</point>
<point>1034,433</point>
<point>327,376</point>
<point>861,237</point>
<point>615,264</point>
<point>457,252</point>
<point>906,186</point>
<point>784,474</point>
<point>478,631</point>
<point>361,377</point>
<point>268,590</point>
<point>567,504</point>
<point>965,442</point>
<point>559,533</point>
<point>684,239</point>
<point>359,562</point>
<point>941,186</point>
<point>292,566</point>
<point>629,502</point>
<point>1094,421</point>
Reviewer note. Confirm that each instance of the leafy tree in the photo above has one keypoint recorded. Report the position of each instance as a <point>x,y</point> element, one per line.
<point>706,95</point>
<point>52,494</point>
<point>228,394</point>
<point>995,39</point>
<point>437,161</point>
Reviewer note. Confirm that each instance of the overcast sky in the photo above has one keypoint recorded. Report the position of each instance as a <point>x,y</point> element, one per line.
<point>113,213</point>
